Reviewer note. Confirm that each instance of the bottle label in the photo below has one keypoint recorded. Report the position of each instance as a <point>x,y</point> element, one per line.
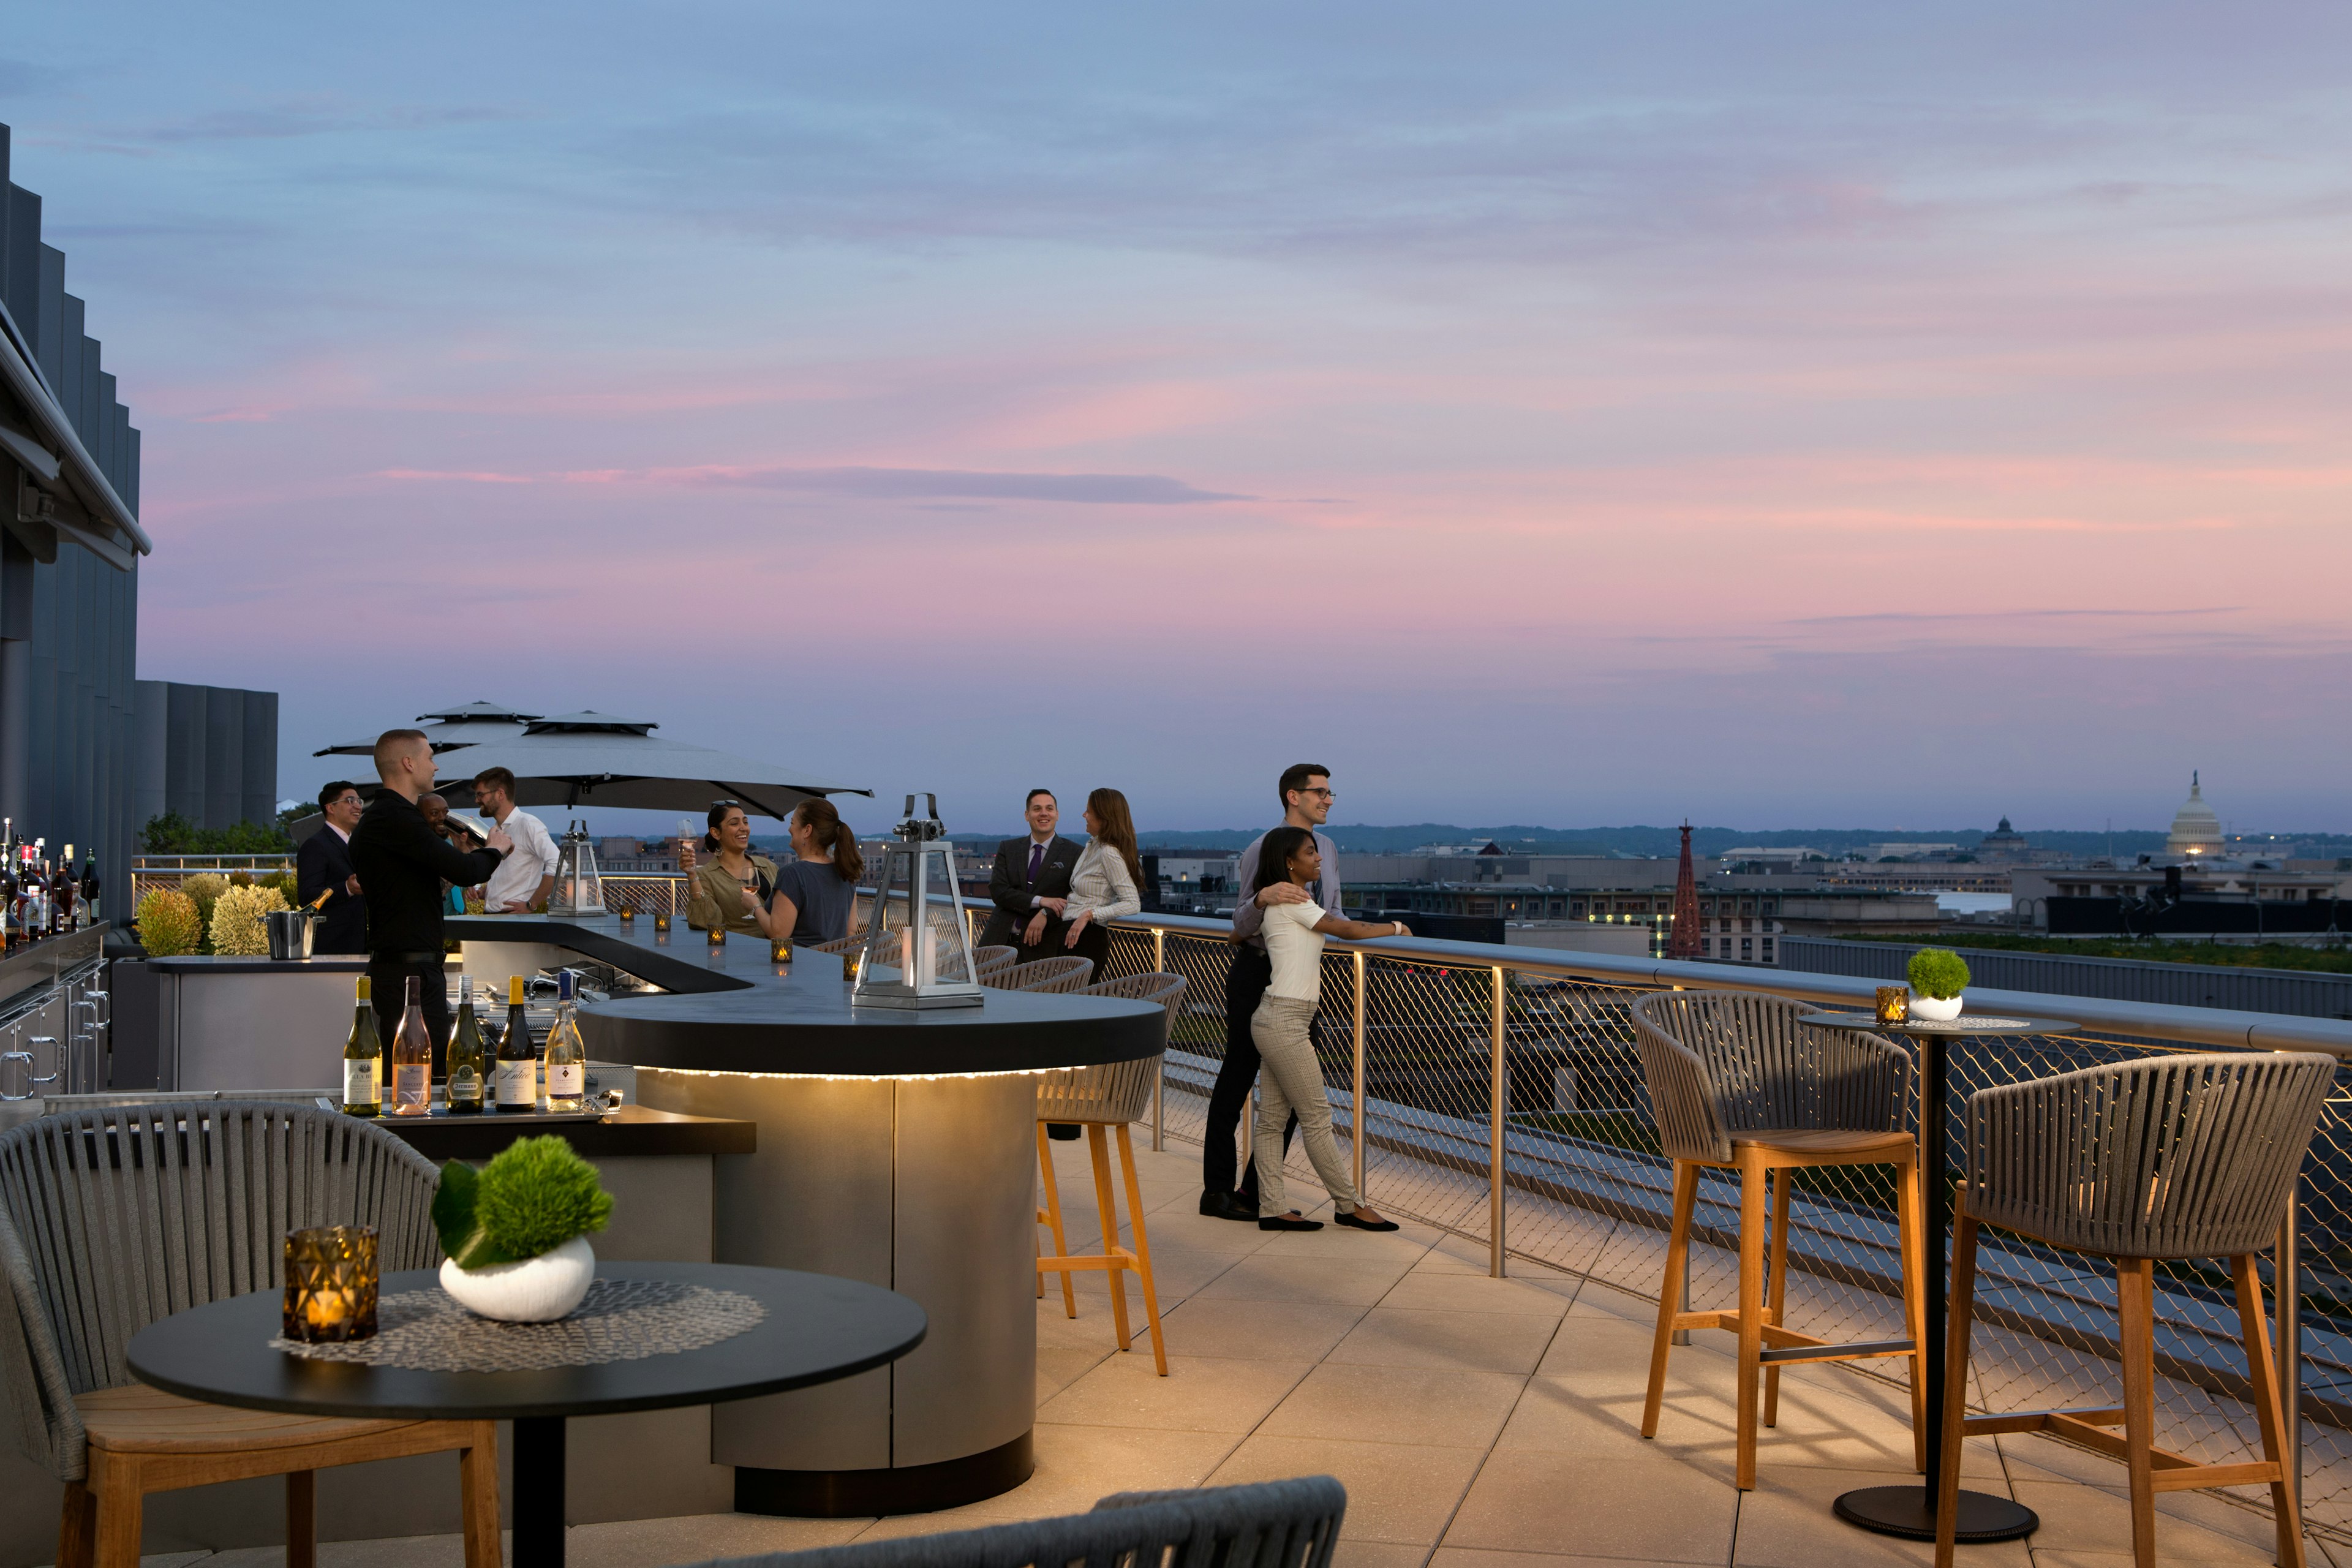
<point>363,1084</point>
<point>412,1086</point>
<point>564,1080</point>
<point>518,1083</point>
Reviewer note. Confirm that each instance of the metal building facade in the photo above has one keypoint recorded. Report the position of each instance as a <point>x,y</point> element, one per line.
<point>68,559</point>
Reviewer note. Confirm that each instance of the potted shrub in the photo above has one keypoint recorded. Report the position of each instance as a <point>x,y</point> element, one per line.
<point>1938,976</point>
<point>517,1231</point>
<point>240,922</point>
<point>169,926</point>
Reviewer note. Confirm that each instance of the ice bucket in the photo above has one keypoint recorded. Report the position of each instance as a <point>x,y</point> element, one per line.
<point>289,933</point>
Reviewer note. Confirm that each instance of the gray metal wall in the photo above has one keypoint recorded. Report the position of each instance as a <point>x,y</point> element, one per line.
<point>2305,995</point>
<point>209,752</point>
<point>68,628</point>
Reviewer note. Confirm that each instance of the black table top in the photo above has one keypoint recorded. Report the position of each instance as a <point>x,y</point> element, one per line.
<point>1965,1025</point>
<point>731,1010</point>
<point>817,1328</point>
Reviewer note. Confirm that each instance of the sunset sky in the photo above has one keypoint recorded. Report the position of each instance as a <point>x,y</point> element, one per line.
<point>1771,415</point>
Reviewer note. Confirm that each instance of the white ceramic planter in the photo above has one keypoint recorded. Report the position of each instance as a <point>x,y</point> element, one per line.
<point>1936,1009</point>
<point>536,1291</point>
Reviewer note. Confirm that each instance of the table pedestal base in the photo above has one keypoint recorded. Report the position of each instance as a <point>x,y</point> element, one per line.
<point>538,1491</point>
<point>1906,1511</point>
<point>906,1489</point>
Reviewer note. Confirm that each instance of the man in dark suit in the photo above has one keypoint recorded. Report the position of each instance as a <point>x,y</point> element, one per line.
<point>323,865</point>
<point>1030,884</point>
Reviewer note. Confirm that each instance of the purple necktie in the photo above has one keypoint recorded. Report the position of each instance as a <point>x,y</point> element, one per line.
<point>1037,858</point>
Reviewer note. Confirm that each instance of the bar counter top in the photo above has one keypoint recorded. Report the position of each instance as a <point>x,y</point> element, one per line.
<point>734,1009</point>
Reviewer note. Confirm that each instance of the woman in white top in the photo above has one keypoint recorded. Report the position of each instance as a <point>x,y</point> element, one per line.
<point>1290,1079</point>
<point>1103,882</point>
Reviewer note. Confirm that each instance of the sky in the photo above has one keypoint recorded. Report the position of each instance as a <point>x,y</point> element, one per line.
<point>1562,413</point>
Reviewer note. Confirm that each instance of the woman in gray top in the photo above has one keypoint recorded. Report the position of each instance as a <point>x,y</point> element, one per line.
<point>816,889</point>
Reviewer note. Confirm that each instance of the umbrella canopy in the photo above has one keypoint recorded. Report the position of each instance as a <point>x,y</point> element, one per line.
<point>596,759</point>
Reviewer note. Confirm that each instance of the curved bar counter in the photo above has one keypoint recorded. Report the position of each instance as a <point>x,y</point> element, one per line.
<point>895,1147</point>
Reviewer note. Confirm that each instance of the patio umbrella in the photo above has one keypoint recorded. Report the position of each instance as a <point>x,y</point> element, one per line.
<point>573,760</point>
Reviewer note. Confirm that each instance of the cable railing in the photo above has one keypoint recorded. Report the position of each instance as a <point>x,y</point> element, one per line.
<point>1496,1092</point>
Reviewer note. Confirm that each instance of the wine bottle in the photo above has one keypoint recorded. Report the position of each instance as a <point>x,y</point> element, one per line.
<point>466,1060</point>
<point>363,1061</point>
<point>412,1057</point>
<point>62,888</point>
<point>567,1057</point>
<point>518,1068</point>
<point>89,886</point>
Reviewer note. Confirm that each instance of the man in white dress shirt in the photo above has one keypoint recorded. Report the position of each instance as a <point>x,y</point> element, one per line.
<point>524,879</point>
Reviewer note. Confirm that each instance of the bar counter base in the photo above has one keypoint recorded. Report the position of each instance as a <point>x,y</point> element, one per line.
<point>860,1494</point>
<point>1907,1511</point>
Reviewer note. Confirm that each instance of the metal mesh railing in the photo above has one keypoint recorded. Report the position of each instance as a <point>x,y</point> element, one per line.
<point>1457,1059</point>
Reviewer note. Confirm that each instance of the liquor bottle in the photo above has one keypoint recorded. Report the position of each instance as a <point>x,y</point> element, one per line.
<point>567,1057</point>
<point>468,1062</point>
<point>8,909</point>
<point>363,1061</point>
<point>518,1068</point>
<point>412,1058</point>
<point>62,890</point>
<point>89,886</point>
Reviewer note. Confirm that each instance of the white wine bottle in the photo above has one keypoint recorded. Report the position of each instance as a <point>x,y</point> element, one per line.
<point>467,1062</point>
<point>567,1057</point>
<point>412,1057</point>
<point>363,1061</point>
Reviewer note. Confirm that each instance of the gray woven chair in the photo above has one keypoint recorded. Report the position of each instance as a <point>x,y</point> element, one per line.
<point>1270,1524</point>
<point>1049,974</point>
<point>2168,1157</point>
<point>112,1218</point>
<point>1110,1096</point>
<point>1736,1083</point>
<point>987,961</point>
<point>842,944</point>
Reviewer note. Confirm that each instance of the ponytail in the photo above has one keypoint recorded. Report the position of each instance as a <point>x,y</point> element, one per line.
<point>816,814</point>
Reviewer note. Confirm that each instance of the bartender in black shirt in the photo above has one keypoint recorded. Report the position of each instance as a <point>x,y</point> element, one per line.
<point>401,863</point>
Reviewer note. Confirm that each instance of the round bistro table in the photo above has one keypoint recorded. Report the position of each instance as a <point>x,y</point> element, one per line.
<point>817,1328</point>
<point>1910,1511</point>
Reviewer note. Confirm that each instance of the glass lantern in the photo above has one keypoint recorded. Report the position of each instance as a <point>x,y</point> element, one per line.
<point>578,891</point>
<point>916,954</point>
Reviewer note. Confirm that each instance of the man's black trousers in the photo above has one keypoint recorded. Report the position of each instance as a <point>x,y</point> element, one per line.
<point>388,976</point>
<point>1245,985</point>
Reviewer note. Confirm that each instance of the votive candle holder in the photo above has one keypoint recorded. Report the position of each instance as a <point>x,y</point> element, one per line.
<point>1894,1005</point>
<point>330,1284</point>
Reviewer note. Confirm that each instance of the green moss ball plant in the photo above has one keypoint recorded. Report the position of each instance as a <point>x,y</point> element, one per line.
<point>530,1200</point>
<point>1938,972</point>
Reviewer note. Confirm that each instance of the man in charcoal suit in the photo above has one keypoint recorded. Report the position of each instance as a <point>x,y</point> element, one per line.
<point>1030,885</point>
<point>323,865</point>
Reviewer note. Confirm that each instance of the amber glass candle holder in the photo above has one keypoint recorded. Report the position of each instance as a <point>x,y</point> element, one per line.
<point>1893,1004</point>
<point>719,936</point>
<point>661,922</point>
<point>628,914</point>
<point>331,1283</point>
<point>781,950</point>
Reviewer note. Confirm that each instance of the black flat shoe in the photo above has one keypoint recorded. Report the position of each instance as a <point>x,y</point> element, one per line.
<point>1351,1222</point>
<point>1225,1205</point>
<point>1283,1222</point>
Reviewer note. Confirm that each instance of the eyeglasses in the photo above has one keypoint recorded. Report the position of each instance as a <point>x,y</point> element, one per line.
<point>1324,793</point>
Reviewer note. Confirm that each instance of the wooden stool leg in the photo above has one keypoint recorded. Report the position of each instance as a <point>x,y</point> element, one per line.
<point>477,1495</point>
<point>1777,1311</point>
<point>1108,1209</point>
<point>1670,1289</point>
<point>1962,1308</point>
<point>2135,1306</point>
<point>1752,1312</point>
<point>2270,1412</point>
<point>76,1527</point>
<point>1143,1248</point>
<point>1054,1221</point>
<point>1911,1226</point>
<point>121,1510</point>
<point>301,1518</point>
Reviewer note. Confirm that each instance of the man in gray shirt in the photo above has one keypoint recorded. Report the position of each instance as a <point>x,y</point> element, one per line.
<point>1306,791</point>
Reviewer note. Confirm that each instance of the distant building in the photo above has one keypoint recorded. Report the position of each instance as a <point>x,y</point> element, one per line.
<point>2196,831</point>
<point>635,858</point>
<point>2003,843</point>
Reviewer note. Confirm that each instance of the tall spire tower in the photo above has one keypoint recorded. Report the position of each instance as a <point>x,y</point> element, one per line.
<point>1682,937</point>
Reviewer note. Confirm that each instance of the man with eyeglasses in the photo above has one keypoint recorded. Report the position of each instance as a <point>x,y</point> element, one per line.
<point>1306,791</point>
<point>323,865</point>
<point>525,879</point>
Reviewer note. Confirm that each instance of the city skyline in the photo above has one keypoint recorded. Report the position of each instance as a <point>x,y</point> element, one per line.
<point>1827,415</point>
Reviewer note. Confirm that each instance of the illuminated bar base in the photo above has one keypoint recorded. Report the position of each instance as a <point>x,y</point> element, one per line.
<point>927,1186</point>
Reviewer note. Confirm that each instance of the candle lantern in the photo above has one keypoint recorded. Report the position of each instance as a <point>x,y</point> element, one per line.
<point>579,891</point>
<point>781,950</point>
<point>1894,1005</point>
<point>915,955</point>
<point>330,1284</point>
<point>628,914</point>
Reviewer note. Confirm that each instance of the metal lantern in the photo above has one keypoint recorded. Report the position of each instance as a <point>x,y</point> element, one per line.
<point>915,955</point>
<point>579,891</point>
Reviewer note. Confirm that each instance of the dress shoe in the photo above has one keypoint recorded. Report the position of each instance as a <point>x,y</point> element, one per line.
<point>1225,1205</point>
<point>1350,1220</point>
<point>1284,1222</point>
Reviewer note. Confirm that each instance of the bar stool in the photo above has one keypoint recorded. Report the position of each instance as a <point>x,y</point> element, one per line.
<point>2165,1158</point>
<point>1736,1083</point>
<point>1062,976</point>
<point>1110,1096</point>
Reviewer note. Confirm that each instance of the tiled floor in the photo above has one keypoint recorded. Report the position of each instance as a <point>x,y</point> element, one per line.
<point>1476,1424</point>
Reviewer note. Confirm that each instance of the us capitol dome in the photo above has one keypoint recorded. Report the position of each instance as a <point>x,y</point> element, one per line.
<point>2196,832</point>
